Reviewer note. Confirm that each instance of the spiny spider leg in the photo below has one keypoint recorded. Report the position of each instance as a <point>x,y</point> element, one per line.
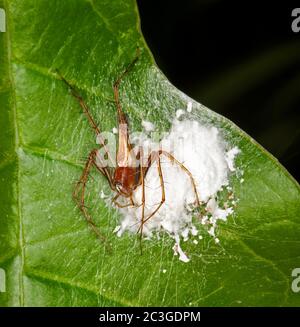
<point>156,156</point>
<point>121,115</point>
<point>87,113</point>
<point>142,175</point>
<point>79,193</point>
<point>114,200</point>
<point>181,165</point>
<point>173,160</point>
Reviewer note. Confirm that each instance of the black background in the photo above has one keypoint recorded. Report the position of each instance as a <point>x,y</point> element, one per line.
<point>239,58</point>
<point>90,316</point>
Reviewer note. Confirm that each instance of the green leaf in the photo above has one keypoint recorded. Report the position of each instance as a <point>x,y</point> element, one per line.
<point>49,254</point>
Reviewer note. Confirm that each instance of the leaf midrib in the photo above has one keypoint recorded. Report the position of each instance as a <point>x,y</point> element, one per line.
<point>17,159</point>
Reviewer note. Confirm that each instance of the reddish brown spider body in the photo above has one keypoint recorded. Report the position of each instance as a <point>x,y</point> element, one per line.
<point>127,173</point>
<point>130,171</point>
<point>126,180</point>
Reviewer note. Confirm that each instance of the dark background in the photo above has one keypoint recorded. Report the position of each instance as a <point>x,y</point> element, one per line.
<point>239,58</point>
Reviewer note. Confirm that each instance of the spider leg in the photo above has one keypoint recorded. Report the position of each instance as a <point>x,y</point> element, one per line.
<point>162,186</point>
<point>106,173</point>
<point>173,159</point>
<point>90,118</point>
<point>114,200</point>
<point>128,68</point>
<point>79,192</point>
<point>142,176</point>
<point>121,116</point>
<point>132,202</point>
